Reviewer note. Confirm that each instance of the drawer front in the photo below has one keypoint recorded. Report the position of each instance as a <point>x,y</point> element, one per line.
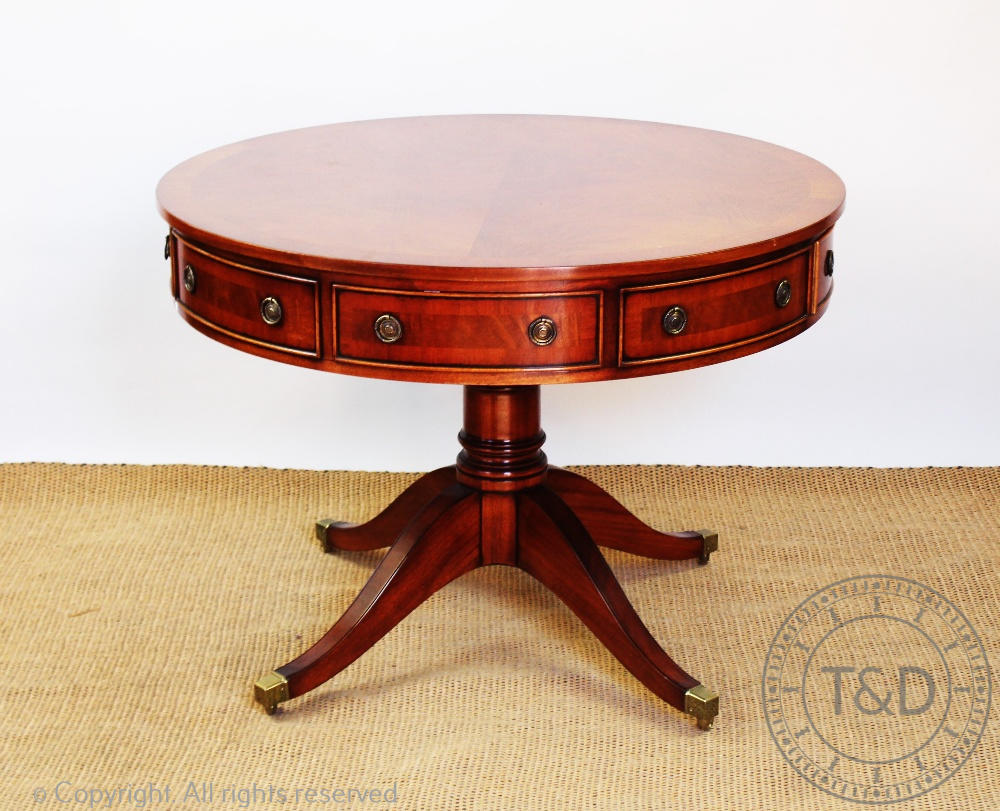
<point>708,315</point>
<point>451,330</point>
<point>823,266</point>
<point>267,309</point>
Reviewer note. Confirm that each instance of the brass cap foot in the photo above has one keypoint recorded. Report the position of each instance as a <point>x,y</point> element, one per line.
<point>271,690</point>
<point>321,529</point>
<point>703,704</point>
<point>709,544</point>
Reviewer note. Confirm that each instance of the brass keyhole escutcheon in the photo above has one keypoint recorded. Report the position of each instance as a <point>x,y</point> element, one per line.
<point>189,279</point>
<point>270,310</point>
<point>783,293</point>
<point>675,319</point>
<point>388,328</point>
<point>542,331</point>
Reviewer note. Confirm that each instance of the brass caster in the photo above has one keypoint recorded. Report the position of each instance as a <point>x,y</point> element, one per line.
<point>270,691</point>
<point>322,531</point>
<point>709,544</point>
<point>703,704</point>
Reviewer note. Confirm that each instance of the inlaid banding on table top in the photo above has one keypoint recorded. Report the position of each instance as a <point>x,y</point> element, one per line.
<point>472,331</point>
<point>505,194</point>
<point>260,307</point>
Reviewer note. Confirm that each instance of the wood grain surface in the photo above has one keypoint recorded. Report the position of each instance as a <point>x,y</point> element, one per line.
<point>499,192</point>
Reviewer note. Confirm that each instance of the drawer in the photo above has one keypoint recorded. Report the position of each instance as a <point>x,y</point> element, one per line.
<point>706,315</point>
<point>267,309</point>
<point>823,269</point>
<point>467,331</point>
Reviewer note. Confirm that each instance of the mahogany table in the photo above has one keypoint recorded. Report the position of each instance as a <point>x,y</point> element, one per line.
<point>501,253</point>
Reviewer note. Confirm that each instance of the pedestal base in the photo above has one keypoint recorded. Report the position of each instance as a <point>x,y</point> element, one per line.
<point>502,504</point>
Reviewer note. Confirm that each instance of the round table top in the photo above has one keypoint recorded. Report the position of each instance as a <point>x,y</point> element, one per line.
<point>501,193</point>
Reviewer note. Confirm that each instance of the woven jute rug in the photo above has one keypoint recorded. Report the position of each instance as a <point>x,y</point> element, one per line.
<point>140,603</point>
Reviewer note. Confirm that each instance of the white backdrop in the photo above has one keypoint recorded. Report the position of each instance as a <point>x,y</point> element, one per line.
<point>100,99</point>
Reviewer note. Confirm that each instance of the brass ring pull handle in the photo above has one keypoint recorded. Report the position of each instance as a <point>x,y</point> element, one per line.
<point>783,293</point>
<point>542,331</point>
<point>388,328</point>
<point>190,280</point>
<point>675,319</point>
<point>270,311</point>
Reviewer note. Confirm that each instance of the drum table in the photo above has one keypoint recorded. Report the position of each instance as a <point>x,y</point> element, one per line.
<point>501,253</point>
